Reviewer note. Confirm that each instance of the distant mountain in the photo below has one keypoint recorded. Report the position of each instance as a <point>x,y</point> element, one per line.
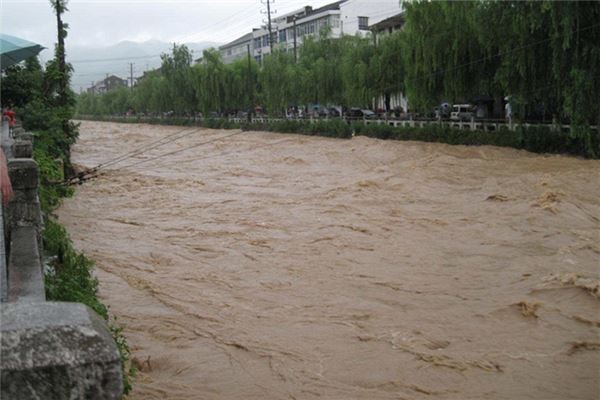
<point>92,64</point>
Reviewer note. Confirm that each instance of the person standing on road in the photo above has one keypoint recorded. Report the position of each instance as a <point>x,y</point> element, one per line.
<point>508,111</point>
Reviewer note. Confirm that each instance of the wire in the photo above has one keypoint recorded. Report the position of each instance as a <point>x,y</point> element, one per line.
<point>237,151</point>
<point>91,172</point>
<point>150,146</point>
<point>181,150</point>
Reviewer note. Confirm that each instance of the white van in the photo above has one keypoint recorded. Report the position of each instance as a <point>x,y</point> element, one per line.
<point>461,112</point>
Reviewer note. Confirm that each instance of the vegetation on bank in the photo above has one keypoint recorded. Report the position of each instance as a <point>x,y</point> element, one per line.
<point>544,55</point>
<point>333,128</point>
<point>582,141</point>
<point>45,106</point>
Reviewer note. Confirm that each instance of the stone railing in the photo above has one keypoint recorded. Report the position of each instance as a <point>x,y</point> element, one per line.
<point>50,350</point>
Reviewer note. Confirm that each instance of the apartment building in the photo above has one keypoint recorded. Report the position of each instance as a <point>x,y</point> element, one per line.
<point>237,49</point>
<point>346,17</point>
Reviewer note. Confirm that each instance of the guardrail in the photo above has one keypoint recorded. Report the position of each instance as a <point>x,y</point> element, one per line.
<point>50,350</point>
<point>489,125</point>
<point>473,124</point>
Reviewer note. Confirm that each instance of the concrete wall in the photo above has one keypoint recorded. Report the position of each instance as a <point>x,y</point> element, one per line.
<point>49,350</point>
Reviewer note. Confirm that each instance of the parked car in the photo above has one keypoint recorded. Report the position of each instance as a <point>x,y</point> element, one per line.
<point>462,112</point>
<point>358,113</point>
<point>334,112</point>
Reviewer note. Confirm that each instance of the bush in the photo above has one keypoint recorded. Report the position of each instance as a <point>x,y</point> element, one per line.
<point>333,128</point>
<point>581,141</point>
<point>69,274</point>
<point>69,278</point>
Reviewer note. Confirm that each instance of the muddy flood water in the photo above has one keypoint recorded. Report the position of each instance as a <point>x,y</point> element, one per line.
<point>271,266</point>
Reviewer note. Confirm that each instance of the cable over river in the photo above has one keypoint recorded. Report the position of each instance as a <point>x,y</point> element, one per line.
<point>270,266</point>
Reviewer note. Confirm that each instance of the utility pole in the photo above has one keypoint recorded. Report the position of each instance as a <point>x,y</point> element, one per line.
<point>295,43</point>
<point>131,75</point>
<point>269,26</point>
<point>250,86</point>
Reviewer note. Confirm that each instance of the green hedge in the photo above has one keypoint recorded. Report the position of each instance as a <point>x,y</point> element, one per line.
<point>581,141</point>
<point>334,128</point>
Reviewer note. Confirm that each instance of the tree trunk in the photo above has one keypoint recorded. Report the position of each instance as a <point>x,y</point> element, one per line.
<point>60,55</point>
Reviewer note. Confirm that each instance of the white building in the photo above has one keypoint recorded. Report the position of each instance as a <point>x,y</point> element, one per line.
<point>357,15</point>
<point>236,49</point>
<point>307,21</point>
<point>345,17</point>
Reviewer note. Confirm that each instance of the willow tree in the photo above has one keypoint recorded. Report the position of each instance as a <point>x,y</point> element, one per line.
<point>443,58</point>
<point>209,82</point>
<point>278,80</point>
<point>358,78</point>
<point>177,71</point>
<point>387,68</point>
<point>239,84</point>
<point>318,69</point>
<point>549,54</point>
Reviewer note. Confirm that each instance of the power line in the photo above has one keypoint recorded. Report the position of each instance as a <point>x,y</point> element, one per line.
<point>149,146</point>
<point>182,150</point>
<point>91,172</point>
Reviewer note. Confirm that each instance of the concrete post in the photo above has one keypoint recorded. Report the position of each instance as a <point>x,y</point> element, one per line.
<point>57,351</point>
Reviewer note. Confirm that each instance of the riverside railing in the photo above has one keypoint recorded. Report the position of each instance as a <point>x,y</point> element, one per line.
<point>50,350</point>
<point>472,124</point>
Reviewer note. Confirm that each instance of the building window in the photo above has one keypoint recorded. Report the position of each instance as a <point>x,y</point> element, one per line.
<point>336,21</point>
<point>283,36</point>
<point>363,23</point>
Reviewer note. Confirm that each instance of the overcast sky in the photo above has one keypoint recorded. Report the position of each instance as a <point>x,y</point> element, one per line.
<point>106,22</point>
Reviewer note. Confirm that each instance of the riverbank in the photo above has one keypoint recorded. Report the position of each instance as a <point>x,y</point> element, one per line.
<point>582,141</point>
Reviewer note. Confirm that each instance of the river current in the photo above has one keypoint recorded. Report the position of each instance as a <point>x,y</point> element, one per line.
<point>271,266</point>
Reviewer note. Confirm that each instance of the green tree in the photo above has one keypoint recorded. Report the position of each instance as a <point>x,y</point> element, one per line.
<point>178,74</point>
<point>209,82</point>
<point>357,75</point>
<point>278,79</point>
<point>22,84</point>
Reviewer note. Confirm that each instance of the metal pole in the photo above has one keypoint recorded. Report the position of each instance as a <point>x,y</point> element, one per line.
<point>131,75</point>
<point>270,28</point>
<point>295,43</point>
<point>250,89</point>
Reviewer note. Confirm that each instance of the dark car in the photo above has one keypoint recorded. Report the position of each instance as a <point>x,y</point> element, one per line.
<point>334,112</point>
<point>358,113</point>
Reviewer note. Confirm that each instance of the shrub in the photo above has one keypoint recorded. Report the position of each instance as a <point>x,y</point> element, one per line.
<point>581,141</point>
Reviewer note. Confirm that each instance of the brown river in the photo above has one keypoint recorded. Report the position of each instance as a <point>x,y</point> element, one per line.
<point>271,266</point>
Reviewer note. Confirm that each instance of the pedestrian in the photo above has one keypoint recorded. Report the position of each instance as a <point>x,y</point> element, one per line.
<point>508,111</point>
<point>10,116</point>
